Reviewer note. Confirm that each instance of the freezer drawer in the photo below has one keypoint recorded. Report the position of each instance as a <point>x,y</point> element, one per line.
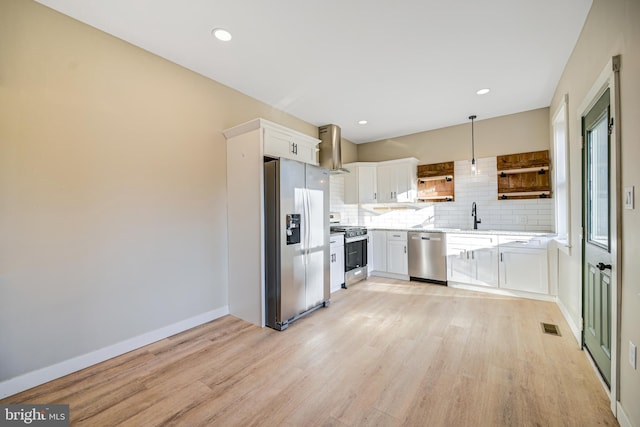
<point>427,257</point>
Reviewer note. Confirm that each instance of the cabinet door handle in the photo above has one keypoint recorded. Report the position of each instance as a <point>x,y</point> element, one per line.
<point>375,196</point>
<point>473,254</point>
<point>500,256</point>
<point>405,249</point>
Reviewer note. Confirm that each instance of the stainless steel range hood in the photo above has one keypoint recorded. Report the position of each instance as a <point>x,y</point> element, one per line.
<point>331,149</point>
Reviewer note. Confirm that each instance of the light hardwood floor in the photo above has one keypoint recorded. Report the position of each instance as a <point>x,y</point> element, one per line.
<point>384,353</point>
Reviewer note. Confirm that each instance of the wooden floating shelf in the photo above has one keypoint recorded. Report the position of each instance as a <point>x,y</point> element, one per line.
<point>533,159</point>
<point>541,170</point>
<point>444,198</point>
<point>524,175</point>
<point>525,195</point>
<point>436,178</point>
<point>436,182</point>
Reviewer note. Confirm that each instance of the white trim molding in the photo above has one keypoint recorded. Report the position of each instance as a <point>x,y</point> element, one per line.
<point>49,373</point>
<point>609,79</point>
<point>575,329</point>
<point>622,417</point>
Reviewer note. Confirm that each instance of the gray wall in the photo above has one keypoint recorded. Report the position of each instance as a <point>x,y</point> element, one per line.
<point>112,189</point>
<point>612,28</point>
<point>514,133</point>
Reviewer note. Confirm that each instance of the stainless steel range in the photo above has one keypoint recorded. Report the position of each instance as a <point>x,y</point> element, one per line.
<point>355,253</point>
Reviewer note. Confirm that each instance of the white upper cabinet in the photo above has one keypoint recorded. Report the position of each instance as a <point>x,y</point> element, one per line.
<point>381,182</point>
<point>386,183</point>
<point>279,141</point>
<point>360,186</point>
<point>397,180</point>
<point>290,146</point>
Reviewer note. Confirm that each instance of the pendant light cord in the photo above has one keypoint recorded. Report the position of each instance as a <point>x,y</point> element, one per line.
<point>473,145</point>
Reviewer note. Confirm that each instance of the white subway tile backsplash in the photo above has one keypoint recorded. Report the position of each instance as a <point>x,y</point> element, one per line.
<point>513,215</point>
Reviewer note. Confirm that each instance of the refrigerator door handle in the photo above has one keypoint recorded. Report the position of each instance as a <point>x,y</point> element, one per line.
<point>307,228</point>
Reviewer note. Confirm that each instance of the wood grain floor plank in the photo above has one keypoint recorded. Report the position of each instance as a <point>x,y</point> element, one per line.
<point>384,353</point>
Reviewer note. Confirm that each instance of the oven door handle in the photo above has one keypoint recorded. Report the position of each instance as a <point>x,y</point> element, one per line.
<point>355,239</point>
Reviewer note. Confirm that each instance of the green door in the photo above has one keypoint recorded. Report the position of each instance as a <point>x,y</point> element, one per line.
<point>597,232</point>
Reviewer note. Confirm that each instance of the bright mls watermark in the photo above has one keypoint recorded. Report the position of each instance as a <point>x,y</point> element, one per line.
<point>34,415</point>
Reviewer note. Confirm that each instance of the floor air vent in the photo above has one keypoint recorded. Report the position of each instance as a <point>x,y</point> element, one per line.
<point>550,329</point>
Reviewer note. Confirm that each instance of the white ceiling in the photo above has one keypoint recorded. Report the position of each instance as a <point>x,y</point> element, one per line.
<point>405,66</point>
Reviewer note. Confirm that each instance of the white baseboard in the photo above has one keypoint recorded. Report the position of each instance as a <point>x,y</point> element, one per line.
<point>575,329</point>
<point>49,373</point>
<point>622,417</point>
<point>389,275</point>
<point>501,291</point>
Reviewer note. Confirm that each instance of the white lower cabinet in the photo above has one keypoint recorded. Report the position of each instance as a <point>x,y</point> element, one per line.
<point>336,259</point>
<point>510,262</point>
<point>473,259</point>
<point>458,263</point>
<point>370,265</point>
<point>397,258</point>
<point>524,264</point>
<point>390,254</point>
<point>379,255</point>
<point>485,261</point>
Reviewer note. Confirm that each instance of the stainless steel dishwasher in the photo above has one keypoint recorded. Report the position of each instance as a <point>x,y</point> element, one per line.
<point>427,257</point>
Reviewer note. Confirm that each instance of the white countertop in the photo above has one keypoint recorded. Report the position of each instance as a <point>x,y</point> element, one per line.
<point>461,231</point>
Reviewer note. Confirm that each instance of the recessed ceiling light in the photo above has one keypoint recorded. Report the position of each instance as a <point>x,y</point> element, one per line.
<point>483,91</point>
<point>362,122</point>
<point>221,34</point>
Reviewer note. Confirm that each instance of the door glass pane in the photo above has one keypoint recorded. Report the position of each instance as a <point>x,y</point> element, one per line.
<point>598,182</point>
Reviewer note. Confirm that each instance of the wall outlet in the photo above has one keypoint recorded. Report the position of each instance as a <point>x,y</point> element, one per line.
<point>633,354</point>
<point>522,219</point>
<point>628,198</point>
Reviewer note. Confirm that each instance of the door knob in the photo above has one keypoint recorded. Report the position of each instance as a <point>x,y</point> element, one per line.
<point>602,266</point>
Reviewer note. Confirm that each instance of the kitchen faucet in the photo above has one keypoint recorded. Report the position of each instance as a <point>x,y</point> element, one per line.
<point>474,214</point>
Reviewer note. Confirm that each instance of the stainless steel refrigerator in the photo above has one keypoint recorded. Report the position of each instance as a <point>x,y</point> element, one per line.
<point>296,240</point>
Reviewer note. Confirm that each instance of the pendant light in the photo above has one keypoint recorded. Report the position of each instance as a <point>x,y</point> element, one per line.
<point>474,169</point>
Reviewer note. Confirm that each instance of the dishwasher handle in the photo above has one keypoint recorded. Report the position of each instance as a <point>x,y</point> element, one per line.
<point>435,239</point>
